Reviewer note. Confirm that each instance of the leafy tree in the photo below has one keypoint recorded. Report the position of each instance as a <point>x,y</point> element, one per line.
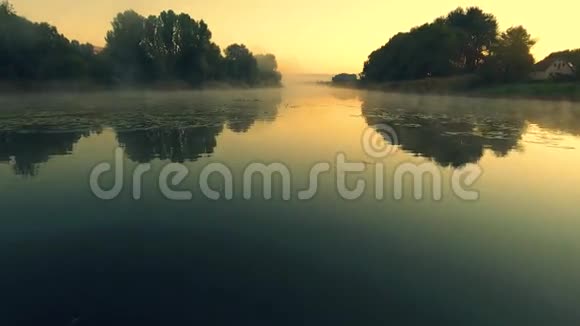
<point>477,31</point>
<point>385,63</point>
<point>510,58</point>
<point>428,50</point>
<point>126,48</point>
<point>199,58</point>
<point>6,9</point>
<point>175,47</point>
<point>241,66</point>
<point>268,69</point>
<point>36,52</point>
<point>167,47</point>
<point>456,44</point>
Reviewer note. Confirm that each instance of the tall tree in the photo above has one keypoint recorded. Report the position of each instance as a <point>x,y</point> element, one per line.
<point>241,65</point>
<point>458,43</point>
<point>478,32</point>
<point>37,51</point>
<point>268,69</point>
<point>431,50</point>
<point>126,47</point>
<point>510,59</point>
<point>168,47</point>
<point>6,9</point>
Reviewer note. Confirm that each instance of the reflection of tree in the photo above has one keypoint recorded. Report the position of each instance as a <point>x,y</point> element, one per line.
<point>448,138</point>
<point>191,132</point>
<point>27,150</point>
<point>176,126</point>
<point>177,145</point>
<point>243,113</point>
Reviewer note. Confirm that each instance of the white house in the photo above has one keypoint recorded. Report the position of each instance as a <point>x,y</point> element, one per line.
<point>558,68</point>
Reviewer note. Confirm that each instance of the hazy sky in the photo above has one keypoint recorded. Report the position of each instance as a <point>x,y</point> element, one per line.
<point>316,36</point>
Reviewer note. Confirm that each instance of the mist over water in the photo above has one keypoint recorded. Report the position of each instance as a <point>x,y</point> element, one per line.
<point>505,259</point>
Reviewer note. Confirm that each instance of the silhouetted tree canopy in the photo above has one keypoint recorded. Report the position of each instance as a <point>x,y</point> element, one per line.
<point>268,68</point>
<point>37,51</point>
<point>125,49</point>
<point>476,31</point>
<point>6,8</point>
<point>428,50</point>
<point>510,58</point>
<point>166,47</point>
<point>465,41</point>
<point>241,65</point>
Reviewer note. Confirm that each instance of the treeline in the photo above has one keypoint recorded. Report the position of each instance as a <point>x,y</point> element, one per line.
<point>169,47</point>
<point>466,41</point>
<point>36,51</point>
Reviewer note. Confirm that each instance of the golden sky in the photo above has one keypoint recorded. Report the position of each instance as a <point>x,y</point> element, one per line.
<point>312,36</point>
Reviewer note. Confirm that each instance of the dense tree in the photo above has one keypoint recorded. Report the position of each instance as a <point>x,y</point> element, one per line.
<point>180,47</point>
<point>166,47</point>
<point>477,32</point>
<point>268,69</point>
<point>455,44</point>
<point>466,41</point>
<point>241,65</point>
<point>6,9</point>
<point>126,49</point>
<point>36,52</point>
<point>176,47</point>
<point>510,58</point>
<point>199,59</point>
<point>428,50</point>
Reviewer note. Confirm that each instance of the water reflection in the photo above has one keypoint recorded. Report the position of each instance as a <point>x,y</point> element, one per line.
<point>180,126</point>
<point>449,141</point>
<point>185,126</point>
<point>176,145</point>
<point>191,132</point>
<point>248,111</point>
<point>457,131</point>
<point>26,150</point>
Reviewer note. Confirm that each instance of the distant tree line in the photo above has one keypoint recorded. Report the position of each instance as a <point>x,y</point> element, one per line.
<point>466,41</point>
<point>167,47</point>
<point>33,51</point>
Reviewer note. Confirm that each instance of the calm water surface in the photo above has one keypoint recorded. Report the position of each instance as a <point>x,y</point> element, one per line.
<point>68,258</point>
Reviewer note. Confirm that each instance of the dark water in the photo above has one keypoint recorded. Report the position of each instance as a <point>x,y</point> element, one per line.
<point>69,258</point>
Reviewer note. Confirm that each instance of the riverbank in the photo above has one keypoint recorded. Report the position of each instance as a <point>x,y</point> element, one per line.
<point>565,91</point>
<point>474,87</point>
<point>82,86</point>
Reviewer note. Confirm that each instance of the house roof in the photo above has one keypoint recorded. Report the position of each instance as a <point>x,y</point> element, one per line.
<point>568,56</point>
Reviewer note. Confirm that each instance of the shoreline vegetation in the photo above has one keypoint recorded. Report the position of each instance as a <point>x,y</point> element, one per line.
<point>89,86</point>
<point>470,86</point>
<point>465,54</point>
<point>169,51</point>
